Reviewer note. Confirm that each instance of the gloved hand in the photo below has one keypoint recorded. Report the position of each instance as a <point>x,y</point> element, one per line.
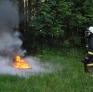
<point>85,60</point>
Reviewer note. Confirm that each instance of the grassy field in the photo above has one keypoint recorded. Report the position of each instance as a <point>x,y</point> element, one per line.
<point>68,76</point>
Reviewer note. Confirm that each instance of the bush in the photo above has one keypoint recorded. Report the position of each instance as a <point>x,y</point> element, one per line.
<point>61,23</point>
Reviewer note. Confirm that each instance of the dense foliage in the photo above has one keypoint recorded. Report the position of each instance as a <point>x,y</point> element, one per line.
<point>60,23</point>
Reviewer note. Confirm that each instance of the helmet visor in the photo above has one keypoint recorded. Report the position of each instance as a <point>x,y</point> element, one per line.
<point>87,33</point>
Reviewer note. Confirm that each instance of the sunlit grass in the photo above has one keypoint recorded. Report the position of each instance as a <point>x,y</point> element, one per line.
<point>68,76</point>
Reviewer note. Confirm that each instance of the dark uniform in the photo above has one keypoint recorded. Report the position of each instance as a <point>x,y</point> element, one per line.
<point>90,50</point>
<point>89,53</point>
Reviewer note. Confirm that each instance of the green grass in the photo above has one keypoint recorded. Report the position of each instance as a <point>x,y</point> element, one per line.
<point>68,76</point>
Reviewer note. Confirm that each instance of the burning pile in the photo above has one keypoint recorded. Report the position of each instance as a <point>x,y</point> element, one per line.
<point>20,63</point>
<point>10,42</point>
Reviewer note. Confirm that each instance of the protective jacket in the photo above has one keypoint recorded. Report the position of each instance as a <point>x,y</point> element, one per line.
<point>89,53</point>
<point>88,59</point>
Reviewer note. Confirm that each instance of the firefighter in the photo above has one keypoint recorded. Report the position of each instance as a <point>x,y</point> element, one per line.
<point>89,51</point>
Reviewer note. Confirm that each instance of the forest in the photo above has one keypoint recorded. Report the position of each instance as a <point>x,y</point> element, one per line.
<point>42,46</point>
<point>54,23</point>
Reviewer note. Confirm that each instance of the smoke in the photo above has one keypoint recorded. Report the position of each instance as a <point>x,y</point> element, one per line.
<point>8,16</point>
<point>9,40</point>
<point>10,43</point>
<point>38,68</point>
<point>10,46</point>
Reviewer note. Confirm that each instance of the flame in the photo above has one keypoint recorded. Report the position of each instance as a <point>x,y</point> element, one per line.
<point>20,63</point>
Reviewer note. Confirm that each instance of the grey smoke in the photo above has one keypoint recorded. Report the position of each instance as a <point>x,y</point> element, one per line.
<point>8,15</point>
<point>10,44</point>
<point>38,68</point>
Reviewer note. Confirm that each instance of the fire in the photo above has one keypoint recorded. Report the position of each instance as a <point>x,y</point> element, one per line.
<point>20,63</point>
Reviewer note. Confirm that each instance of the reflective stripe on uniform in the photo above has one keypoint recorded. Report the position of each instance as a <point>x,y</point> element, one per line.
<point>91,53</point>
<point>87,46</point>
<point>90,64</point>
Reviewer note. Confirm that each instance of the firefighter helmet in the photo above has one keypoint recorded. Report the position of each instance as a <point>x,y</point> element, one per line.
<point>89,32</point>
<point>90,29</point>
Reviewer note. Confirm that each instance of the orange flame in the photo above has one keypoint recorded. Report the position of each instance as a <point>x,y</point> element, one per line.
<point>20,63</point>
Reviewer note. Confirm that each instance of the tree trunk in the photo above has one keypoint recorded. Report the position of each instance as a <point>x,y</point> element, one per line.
<point>21,16</point>
<point>29,9</point>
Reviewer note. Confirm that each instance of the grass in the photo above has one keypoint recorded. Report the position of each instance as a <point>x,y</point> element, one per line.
<point>68,76</point>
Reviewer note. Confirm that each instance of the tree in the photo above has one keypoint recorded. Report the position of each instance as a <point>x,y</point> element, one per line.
<point>21,16</point>
<point>62,22</point>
